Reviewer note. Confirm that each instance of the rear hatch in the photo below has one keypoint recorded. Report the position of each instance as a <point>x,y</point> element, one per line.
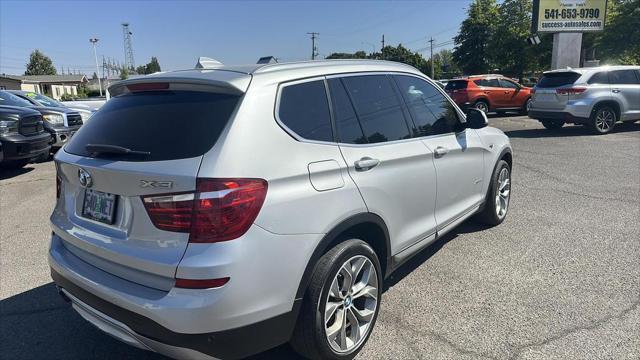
<point>553,90</point>
<point>147,141</point>
<point>457,89</point>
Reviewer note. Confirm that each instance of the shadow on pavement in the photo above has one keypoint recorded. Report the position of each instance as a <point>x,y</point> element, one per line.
<point>8,173</point>
<point>568,131</point>
<point>420,258</point>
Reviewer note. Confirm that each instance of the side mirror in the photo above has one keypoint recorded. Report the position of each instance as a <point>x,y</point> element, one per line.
<point>476,119</point>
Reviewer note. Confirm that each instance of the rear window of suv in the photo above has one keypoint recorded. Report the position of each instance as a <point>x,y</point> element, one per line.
<point>556,79</point>
<point>456,85</point>
<point>169,125</point>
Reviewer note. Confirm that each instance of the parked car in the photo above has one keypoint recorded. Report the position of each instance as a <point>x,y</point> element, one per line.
<point>598,97</point>
<point>92,104</point>
<point>22,136</point>
<point>260,224</point>
<point>43,100</point>
<point>489,93</point>
<point>61,122</point>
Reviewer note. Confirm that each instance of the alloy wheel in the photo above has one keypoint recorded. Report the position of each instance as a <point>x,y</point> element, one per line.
<point>351,304</point>
<point>481,106</point>
<point>605,119</point>
<point>503,193</point>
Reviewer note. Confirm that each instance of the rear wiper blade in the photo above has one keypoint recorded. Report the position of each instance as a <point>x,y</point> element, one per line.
<point>113,149</point>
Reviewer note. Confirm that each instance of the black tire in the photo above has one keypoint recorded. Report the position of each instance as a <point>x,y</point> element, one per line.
<point>596,123</point>
<point>482,105</point>
<point>489,213</point>
<point>15,164</point>
<point>309,339</point>
<point>525,107</point>
<point>552,124</point>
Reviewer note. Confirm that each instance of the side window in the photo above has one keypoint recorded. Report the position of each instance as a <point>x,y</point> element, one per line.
<point>305,110</point>
<point>622,77</point>
<point>480,82</point>
<point>599,78</point>
<point>432,113</point>
<point>347,125</point>
<point>508,84</point>
<point>490,83</point>
<point>377,107</point>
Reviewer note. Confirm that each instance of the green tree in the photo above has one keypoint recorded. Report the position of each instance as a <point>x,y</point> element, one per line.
<point>620,40</point>
<point>472,51</point>
<point>40,64</point>
<point>446,67</point>
<point>357,55</point>
<point>150,68</point>
<point>124,73</point>
<point>95,76</point>
<point>509,51</point>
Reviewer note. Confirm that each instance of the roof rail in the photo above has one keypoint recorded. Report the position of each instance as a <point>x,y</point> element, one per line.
<point>208,63</point>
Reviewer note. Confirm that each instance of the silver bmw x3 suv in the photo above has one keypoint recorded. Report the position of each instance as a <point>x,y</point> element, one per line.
<point>598,97</point>
<point>222,211</point>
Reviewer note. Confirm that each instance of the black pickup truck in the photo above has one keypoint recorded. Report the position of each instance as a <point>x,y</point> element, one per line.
<point>22,136</point>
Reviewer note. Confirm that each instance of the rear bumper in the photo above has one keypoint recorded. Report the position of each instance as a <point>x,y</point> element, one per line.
<point>144,333</point>
<point>256,310</point>
<point>557,115</point>
<point>18,147</point>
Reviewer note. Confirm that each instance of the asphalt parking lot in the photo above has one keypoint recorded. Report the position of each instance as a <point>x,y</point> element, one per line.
<point>559,279</point>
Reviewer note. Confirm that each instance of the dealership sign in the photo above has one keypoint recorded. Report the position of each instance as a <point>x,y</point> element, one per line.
<point>568,15</point>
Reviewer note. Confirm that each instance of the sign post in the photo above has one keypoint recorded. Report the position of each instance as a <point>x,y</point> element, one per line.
<point>567,20</point>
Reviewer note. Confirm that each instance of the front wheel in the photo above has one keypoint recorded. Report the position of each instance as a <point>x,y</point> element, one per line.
<point>496,203</point>
<point>526,107</point>
<point>341,304</point>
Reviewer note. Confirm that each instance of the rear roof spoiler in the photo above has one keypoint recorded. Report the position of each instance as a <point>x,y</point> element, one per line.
<point>219,81</point>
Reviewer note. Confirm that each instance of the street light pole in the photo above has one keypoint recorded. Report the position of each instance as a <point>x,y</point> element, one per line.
<point>95,55</point>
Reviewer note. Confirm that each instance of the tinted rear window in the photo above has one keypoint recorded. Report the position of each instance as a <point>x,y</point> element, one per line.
<point>168,124</point>
<point>305,110</point>
<point>599,78</point>
<point>456,85</point>
<point>557,79</point>
<point>623,77</point>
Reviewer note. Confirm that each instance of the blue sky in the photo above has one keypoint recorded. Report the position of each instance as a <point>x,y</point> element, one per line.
<point>239,32</point>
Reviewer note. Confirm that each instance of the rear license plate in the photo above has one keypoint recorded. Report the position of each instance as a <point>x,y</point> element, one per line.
<point>99,206</point>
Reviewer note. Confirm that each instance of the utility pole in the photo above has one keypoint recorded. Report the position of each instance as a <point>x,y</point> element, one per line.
<point>128,48</point>
<point>432,64</point>
<point>314,49</point>
<point>382,50</point>
<point>95,55</point>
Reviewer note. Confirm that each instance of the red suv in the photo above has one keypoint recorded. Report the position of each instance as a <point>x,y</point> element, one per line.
<point>489,93</point>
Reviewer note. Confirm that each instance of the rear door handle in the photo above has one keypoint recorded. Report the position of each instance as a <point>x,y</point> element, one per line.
<point>440,151</point>
<point>615,90</point>
<point>366,163</point>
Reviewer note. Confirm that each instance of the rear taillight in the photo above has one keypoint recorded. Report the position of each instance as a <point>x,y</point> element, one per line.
<point>219,209</point>
<point>58,187</point>
<point>571,91</point>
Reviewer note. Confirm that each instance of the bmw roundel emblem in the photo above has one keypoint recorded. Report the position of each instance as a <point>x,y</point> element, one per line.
<point>85,178</point>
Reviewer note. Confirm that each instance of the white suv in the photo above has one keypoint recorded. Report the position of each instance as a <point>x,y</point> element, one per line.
<point>219,212</point>
<point>597,97</point>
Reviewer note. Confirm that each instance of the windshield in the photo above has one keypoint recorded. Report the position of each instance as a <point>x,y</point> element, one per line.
<point>7,98</point>
<point>44,100</point>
